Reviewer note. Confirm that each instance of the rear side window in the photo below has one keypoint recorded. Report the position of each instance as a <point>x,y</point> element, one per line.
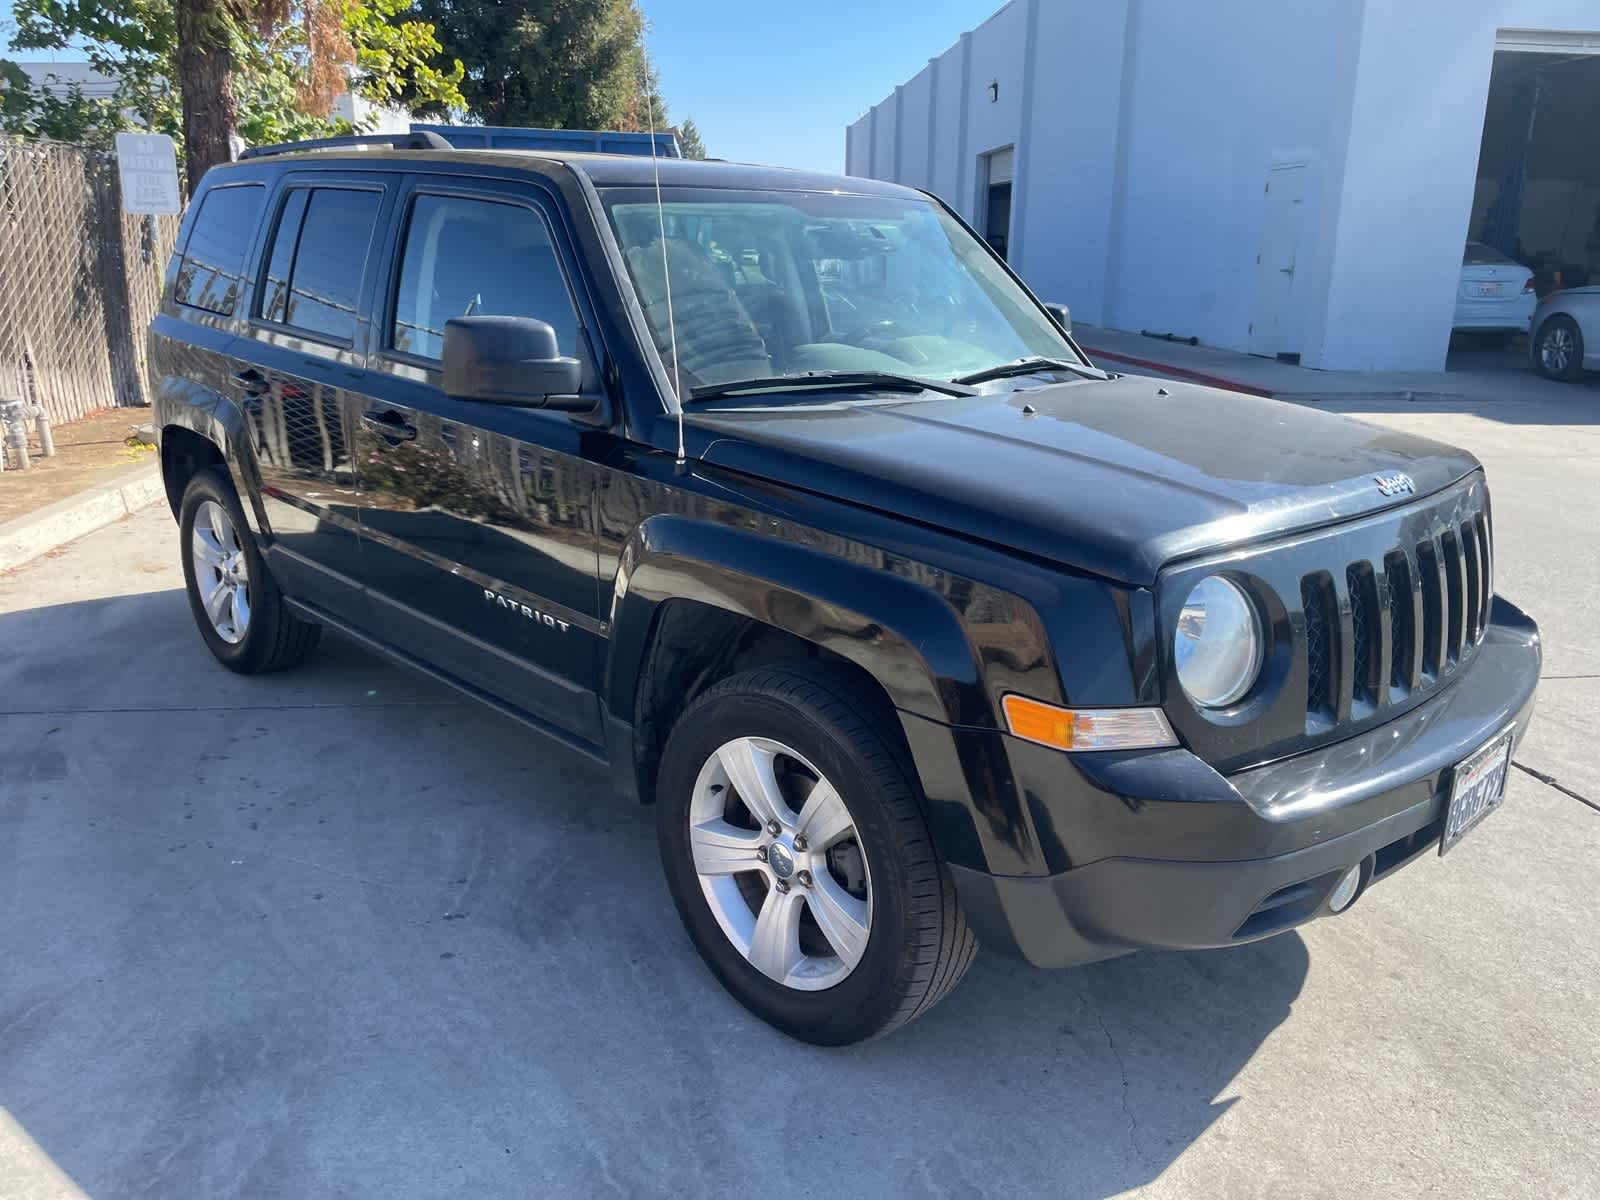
<point>213,261</point>
<point>318,254</point>
<point>467,257</point>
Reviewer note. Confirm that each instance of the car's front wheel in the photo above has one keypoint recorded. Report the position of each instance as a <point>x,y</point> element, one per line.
<point>800,861</point>
<point>235,600</point>
<point>1558,349</point>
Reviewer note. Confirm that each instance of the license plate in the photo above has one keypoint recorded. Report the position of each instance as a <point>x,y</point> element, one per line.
<point>1491,289</point>
<point>1477,788</point>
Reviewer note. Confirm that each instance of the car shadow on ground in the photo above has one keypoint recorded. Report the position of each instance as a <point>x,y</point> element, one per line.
<point>338,931</point>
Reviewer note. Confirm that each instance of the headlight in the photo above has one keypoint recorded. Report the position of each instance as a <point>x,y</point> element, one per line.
<point>1218,643</point>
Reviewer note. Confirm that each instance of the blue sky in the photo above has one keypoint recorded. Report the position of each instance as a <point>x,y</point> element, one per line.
<point>776,82</point>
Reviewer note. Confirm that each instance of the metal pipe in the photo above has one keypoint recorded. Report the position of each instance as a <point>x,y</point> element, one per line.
<point>47,441</point>
<point>14,416</point>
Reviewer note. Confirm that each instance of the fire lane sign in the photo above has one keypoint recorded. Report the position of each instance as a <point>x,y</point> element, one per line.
<point>148,166</point>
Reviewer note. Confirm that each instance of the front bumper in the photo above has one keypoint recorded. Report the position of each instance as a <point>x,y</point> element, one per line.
<point>1167,854</point>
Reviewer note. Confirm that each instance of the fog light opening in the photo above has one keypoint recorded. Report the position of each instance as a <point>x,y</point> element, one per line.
<point>1344,892</point>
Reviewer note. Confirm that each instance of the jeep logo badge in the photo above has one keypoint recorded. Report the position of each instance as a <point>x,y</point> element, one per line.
<point>1398,484</point>
<point>780,860</point>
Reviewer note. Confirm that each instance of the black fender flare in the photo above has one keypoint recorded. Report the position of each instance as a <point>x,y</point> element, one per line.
<point>906,636</point>
<point>219,420</point>
<point>902,634</point>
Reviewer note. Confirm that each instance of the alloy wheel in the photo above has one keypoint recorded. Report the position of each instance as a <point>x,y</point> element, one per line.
<point>1555,350</point>
<point>780,863</point>
<point>221,572</point>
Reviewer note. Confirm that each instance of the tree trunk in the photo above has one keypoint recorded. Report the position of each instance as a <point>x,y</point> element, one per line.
<point>205,79</point>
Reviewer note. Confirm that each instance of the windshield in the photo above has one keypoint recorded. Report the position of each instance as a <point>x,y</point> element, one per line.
<point>769,284</point>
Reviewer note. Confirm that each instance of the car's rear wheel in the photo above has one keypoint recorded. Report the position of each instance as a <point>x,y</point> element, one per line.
<point>800,861</point>
<point>1558,349</point>
<point>235,600</point>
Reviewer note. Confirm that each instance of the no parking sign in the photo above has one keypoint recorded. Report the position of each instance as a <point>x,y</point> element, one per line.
<point>148,166</point>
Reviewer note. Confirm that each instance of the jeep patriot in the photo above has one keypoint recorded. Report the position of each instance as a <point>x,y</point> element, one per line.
<point>781,497</point>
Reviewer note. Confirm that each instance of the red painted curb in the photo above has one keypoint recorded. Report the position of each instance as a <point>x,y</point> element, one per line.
<point>1150,364</point>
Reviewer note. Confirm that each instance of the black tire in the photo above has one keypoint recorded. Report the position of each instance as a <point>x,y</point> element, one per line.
<point>919,945</point>
<point>1551,329</point>
<point>274,638</point>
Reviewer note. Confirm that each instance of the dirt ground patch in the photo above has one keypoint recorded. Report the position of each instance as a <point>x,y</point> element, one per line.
<point>86,451</point>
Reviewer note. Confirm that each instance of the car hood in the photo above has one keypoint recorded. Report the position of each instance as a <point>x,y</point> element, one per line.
<point>1116,477</point>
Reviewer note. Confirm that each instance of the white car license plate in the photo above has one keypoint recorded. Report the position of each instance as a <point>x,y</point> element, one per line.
<point>1476,790</point>
<point>1491,289</point>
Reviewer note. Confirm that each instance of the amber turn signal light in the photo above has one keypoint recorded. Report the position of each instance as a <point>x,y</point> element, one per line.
<point>1087,728</point>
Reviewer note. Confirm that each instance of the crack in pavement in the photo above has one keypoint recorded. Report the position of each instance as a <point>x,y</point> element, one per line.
<point>1122,1069</point>
<point>1552,781</point>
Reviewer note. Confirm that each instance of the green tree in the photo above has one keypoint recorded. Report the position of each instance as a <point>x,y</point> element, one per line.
<point>557,64</point>
<point>205,69</point>
<point>130,41</point>
<point>689,139</point>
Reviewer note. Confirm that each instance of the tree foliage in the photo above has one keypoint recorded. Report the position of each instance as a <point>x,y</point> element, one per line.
<point>557,64</point>
<point>553,64</point>
<point>282,65</point>
<point>129,41</point>
<point>689,139</point>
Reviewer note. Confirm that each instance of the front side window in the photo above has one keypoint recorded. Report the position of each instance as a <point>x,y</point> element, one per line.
<point>467,257</point>
<point>771,284</point>
<point>319,252</point>
<point>212,272</point>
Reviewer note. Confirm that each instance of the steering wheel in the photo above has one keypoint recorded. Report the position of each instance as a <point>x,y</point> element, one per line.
<point>872,331</point>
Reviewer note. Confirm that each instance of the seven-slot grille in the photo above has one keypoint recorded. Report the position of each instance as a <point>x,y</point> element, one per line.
<point>1408,619</point>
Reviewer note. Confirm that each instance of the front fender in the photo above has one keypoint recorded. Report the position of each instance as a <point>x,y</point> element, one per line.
<point>905,636</point>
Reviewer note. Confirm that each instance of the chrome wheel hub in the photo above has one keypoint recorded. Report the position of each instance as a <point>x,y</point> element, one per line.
<point>780,860</point>
<point>780,864</point>
<point>221,572</point>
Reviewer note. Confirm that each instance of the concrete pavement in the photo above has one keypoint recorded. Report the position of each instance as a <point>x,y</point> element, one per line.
<point>334,932</point>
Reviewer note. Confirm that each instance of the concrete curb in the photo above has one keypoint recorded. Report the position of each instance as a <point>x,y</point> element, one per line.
<point>29,536</point>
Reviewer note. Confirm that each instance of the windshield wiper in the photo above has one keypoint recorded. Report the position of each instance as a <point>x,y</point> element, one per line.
<point>1031,366</point>
<point>833,381</point>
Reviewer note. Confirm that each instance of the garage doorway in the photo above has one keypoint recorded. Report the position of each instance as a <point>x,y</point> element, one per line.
<point>994,197</point>
<point>1537,195</point>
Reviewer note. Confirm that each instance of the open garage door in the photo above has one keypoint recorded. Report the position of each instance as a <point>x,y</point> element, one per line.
<point>1537,200</point>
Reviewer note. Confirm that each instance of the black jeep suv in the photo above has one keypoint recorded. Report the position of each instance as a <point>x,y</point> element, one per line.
<point>782,497</point>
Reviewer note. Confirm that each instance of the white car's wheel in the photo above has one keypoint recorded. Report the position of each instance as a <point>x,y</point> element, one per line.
<point>1558,349</point>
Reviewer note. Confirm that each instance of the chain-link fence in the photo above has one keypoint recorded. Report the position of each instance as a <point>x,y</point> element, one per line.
<point>79,280</point>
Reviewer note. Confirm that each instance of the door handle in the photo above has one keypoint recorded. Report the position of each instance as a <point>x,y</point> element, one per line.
<point>390,425</point>
<point>251,381</point>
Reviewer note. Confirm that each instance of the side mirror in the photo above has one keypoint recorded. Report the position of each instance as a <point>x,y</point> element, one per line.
<point>1062,314</point>
<point>509,360</point>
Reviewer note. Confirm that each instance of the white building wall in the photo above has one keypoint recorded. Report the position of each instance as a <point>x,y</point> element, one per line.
<point>1069,176</point>
<point>915,102</point>
<point>1415,125</point>
<point>1145,130</point>
<point>1212,106</point>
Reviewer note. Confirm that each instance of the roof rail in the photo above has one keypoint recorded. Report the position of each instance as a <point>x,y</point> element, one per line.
<point>419,140</point>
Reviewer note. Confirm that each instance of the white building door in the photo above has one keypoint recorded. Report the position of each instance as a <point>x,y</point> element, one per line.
<point>1274,315</point>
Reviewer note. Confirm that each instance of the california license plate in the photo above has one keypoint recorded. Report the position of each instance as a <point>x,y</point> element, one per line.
<point>1491,289</point>
<point>1477,788</point>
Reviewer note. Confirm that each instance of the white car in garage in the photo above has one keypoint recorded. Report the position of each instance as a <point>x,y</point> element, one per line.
<point>1496,293</point>
<point>1564,336</point>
